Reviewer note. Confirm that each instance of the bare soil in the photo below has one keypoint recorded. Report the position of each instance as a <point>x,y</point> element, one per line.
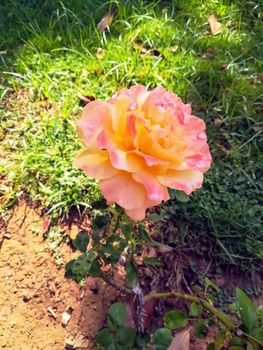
<point>34,293</point>
<point>35,296</point>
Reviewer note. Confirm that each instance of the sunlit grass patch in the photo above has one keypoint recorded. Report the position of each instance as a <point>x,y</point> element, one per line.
<point>50,50</point>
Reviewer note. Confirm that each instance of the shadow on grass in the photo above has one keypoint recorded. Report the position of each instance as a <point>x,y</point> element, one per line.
<point>53,44</point>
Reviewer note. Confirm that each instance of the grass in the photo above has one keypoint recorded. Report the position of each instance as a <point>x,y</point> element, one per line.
<point>48,55</point>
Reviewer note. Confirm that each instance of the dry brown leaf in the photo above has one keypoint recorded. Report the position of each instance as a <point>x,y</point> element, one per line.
<point>106,20</point>
<point>181,340</point>
<point>215,26</point>
<point>100,53</point>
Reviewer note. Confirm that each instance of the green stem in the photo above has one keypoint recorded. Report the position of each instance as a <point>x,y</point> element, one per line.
<point>114,221</point>
<point>223,318</point>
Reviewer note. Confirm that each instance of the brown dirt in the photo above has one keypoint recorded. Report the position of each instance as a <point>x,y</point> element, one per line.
<point>34,292</point>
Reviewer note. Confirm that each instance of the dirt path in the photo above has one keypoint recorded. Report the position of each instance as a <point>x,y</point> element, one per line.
<point>34,293</point>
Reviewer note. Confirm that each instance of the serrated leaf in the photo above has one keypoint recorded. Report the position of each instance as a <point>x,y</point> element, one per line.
<point>132,275</point>
<point>105,337</point>
<point>195,310</point>
<point>78,269</point>
<point>126,230</point>
<point>152,261</point>
<point>117,314</point>
<point>143,234</point>
<point>175,319</point>
<point>162,338</point>
<point>126,336</point>
<point>200,330</point>
<point>247,310</point>
<point>81,241</point>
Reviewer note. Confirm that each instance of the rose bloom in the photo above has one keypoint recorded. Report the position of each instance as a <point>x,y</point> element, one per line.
<point>138,144</point>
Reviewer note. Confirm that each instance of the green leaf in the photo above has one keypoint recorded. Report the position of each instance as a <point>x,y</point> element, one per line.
<point>131,279</point>
<point>95,270</point>
<point>68,273</point>
<point>144,234</point>
<point>210,346</point>
<point>126,336</point>
<point>200,330</point>
<point>112,346</point>
<point>155,217</point>
<point>109,254</point>
<point>78,269</point>
<point>101,221</point>
<point>152,261</point>
<point>195,310</point>
<point>105,337</point>
<point>126,229</point>
<point>219,341</point>
<point>100,204</point>
<point>117,314</point>
<point>142,340</point>
<point>81,241</point>
<point>96,236</point>
<point>234,307</point>
<point>111,325</point>
<point>247,310</point>
<point>260,314</point>
<point>175,319</point>
<point>257,333</point>
<point>237,341</point>
<point>162,338</point>
<point>180,196</point>
<point>236,347</point>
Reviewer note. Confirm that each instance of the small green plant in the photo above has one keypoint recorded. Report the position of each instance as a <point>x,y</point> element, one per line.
<point>115,238</point>
<point>248,335</point>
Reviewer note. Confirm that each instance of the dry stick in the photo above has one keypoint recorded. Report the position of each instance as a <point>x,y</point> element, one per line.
<point>223,318</point>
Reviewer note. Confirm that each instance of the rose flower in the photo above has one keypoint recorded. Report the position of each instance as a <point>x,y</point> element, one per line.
<point>138,144</point>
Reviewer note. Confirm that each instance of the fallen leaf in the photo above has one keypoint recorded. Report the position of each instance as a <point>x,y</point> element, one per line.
<point>100,53</point>
<point>85,99</point>
<point>256,128</point>
<point>107,20</point>
<point>175,48</point>
<point>215,26</point>
<point>181,340</point>
<point>209,53</point>
<point>217,121</point>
